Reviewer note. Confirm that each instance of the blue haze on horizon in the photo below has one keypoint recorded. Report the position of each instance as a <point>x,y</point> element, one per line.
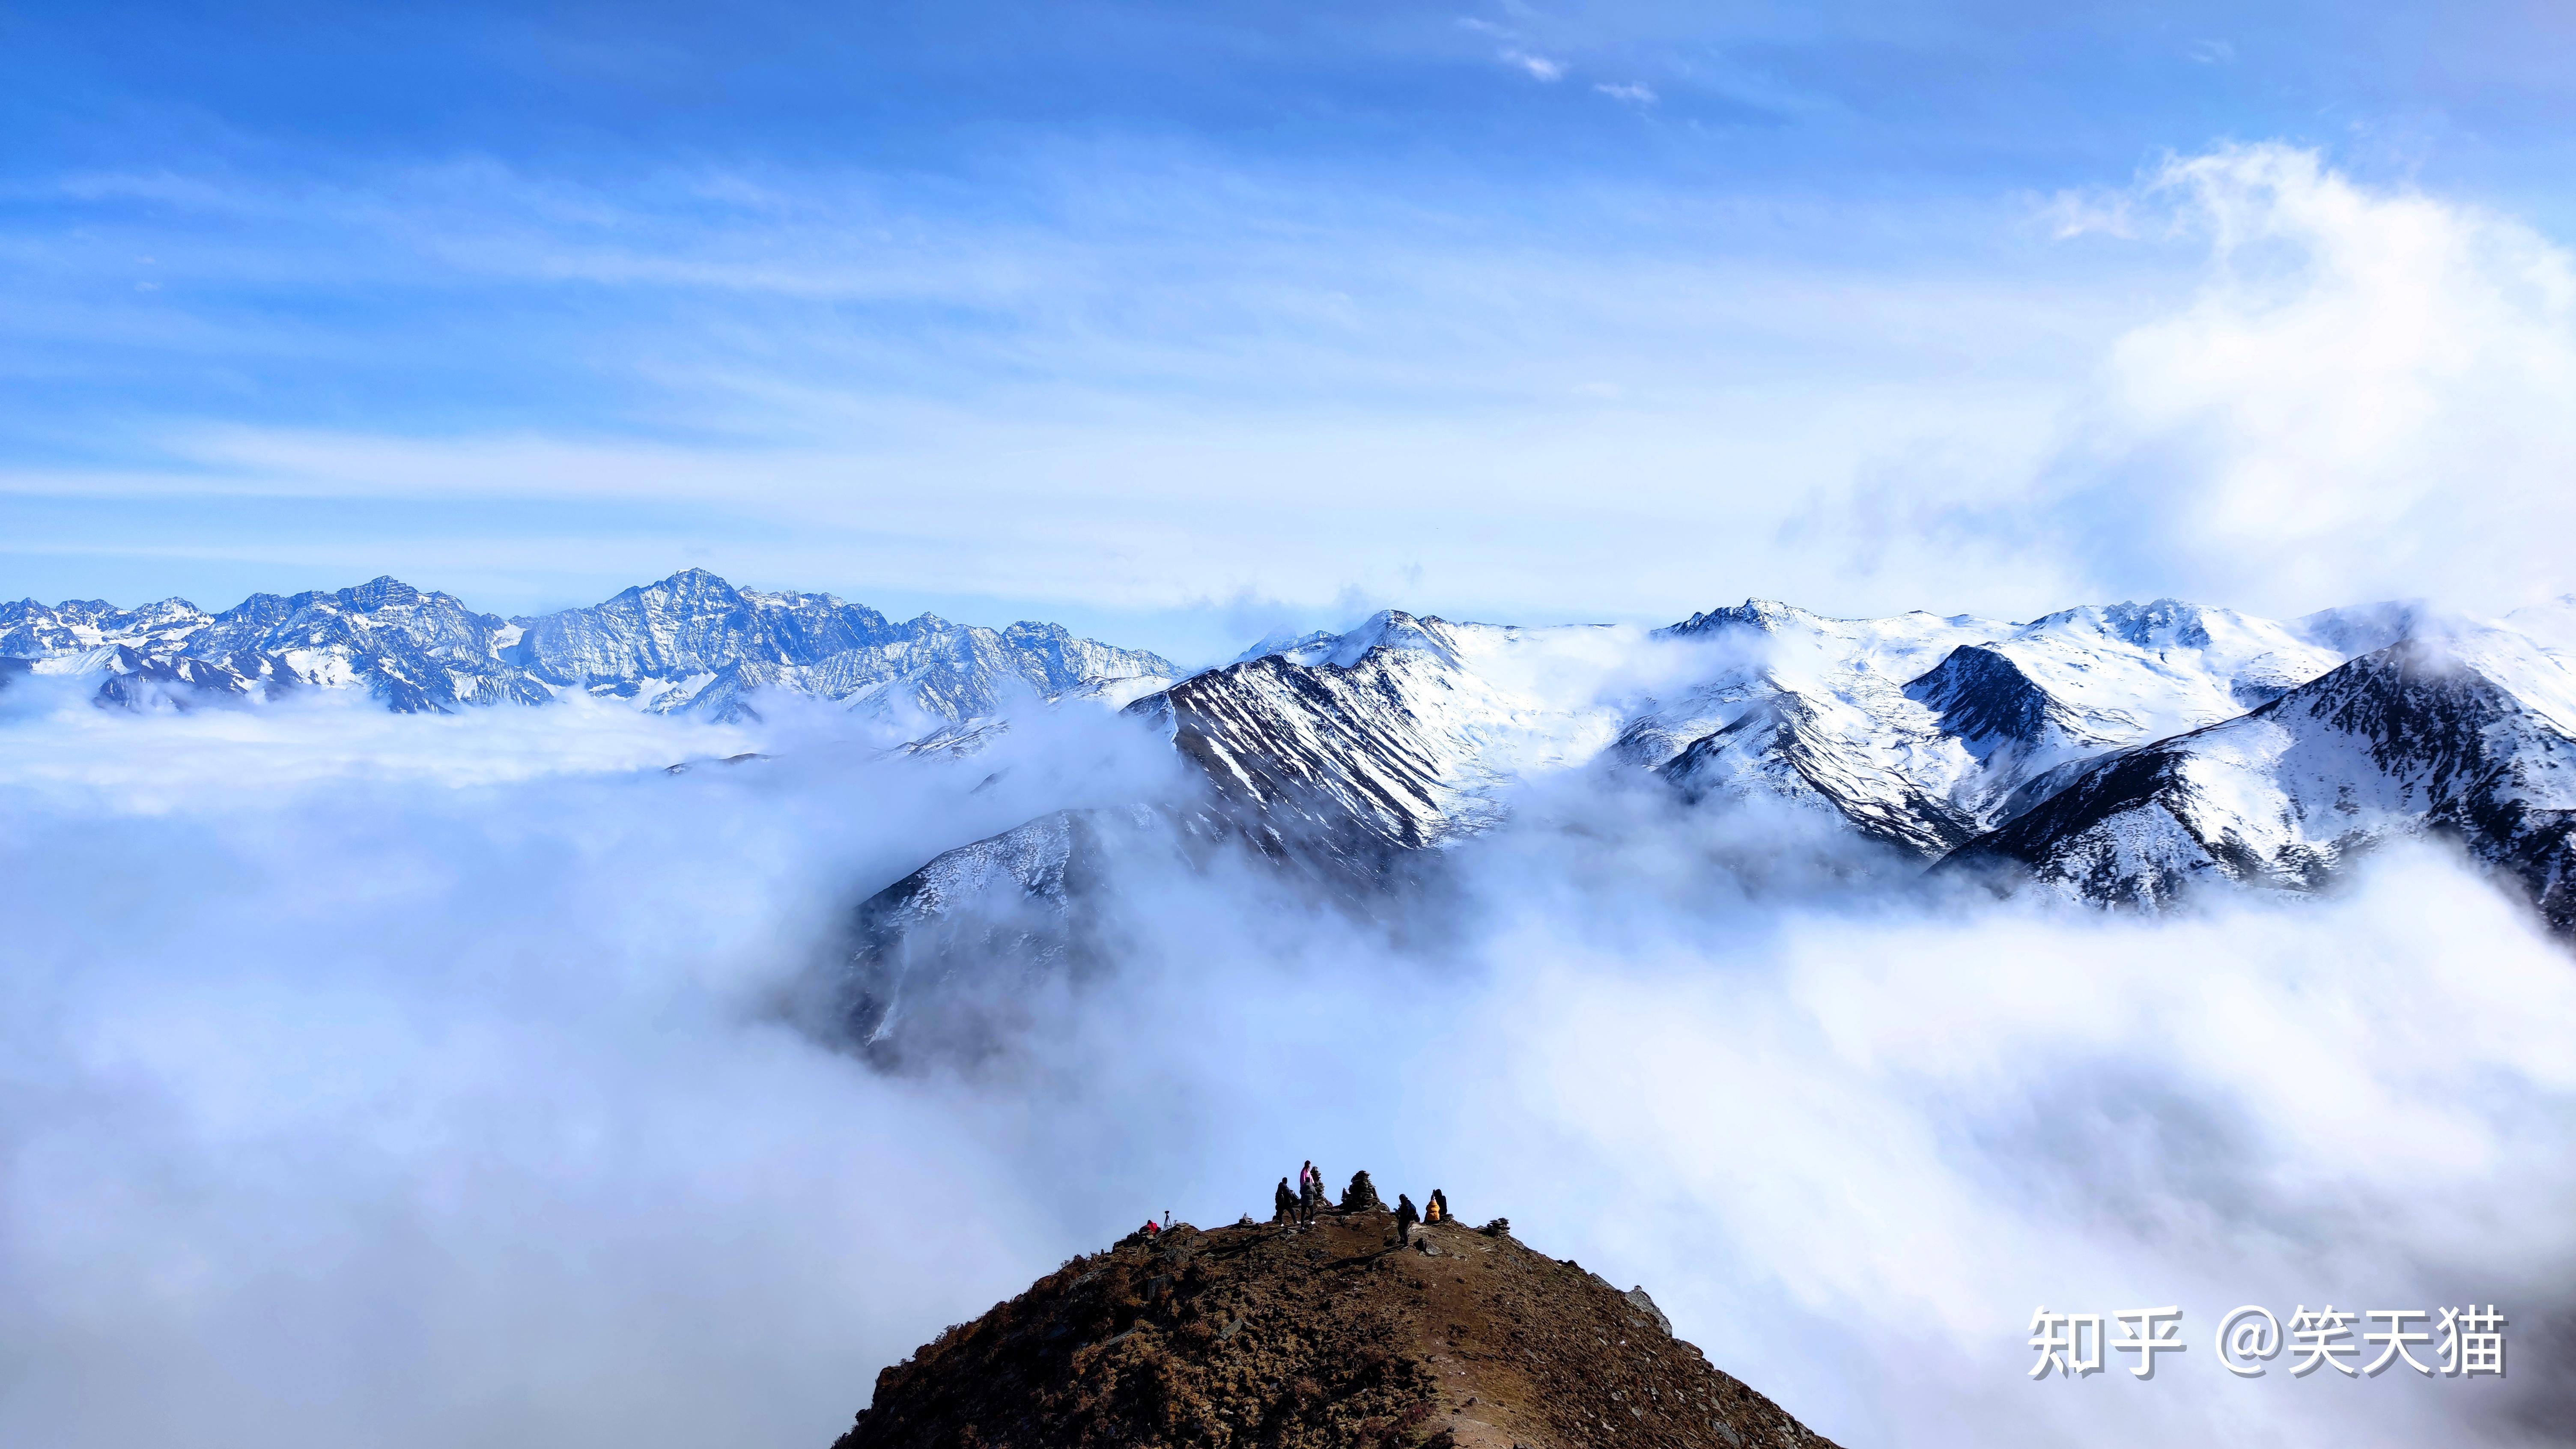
<point>1178,326</point>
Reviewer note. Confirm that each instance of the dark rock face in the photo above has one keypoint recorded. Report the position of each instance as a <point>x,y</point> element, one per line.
<point>1325,775</point>
<point>2416,738</point>
<point>1783,736</point>
<point>1324,762</point>
<point>1982,696</point>
<point>1318,1338</point>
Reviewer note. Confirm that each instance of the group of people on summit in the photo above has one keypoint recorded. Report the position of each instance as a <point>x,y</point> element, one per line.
<point>1300,1208</point>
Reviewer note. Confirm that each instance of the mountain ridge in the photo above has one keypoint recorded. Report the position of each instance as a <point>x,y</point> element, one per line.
<point>691,644</point>
<point>2117,753</point>
<point>2058,753</point>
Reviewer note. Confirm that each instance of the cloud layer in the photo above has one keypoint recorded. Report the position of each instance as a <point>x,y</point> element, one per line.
<point>404,1099</point>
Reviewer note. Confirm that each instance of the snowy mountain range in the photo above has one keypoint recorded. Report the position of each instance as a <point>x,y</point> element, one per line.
<point>2120,753</point>
<point>689,645</point>
<point>2117,754</point>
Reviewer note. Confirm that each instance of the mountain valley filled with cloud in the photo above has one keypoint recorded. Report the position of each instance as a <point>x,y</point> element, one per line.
<point>534,1020</point>
<point>690,697</point>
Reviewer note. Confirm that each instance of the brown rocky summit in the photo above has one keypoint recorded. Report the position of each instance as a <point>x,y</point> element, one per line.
<point>1327,1337</point>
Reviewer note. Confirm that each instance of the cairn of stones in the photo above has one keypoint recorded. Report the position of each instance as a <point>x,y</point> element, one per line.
<point>1361,1196</point>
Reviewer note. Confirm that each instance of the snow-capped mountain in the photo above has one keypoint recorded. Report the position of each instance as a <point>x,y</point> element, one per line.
<point>1398,735</point>
<point>1926,732</point>
<point>691,643</point>
<point>2119,753</point>
<point>2116,751</point>
<point>1916,730</point>
<point>412,650</point>
<point>2472,735</point>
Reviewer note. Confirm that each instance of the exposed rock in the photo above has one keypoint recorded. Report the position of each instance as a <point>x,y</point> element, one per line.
<point>2472,738</point>
<point>1645,1305</point>
<point>1361,1196</point>
<point>1320,1338</point>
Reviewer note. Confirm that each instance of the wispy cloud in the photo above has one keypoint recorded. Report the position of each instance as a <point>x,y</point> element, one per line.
<point>1539,67</point>
<point>1635,93</point>
<point>2089,211</point>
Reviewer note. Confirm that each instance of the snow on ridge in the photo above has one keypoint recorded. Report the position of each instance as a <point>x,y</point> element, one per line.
<point>689,643</point>
<point>1921,729</point>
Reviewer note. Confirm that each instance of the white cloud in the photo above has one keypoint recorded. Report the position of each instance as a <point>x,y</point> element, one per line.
<point>1539,67</point>
<point>2368,395</point>
<point>1633,92</point>
<point>405,1080</point>
<point>404,1100</point>
<point>2282,388</point>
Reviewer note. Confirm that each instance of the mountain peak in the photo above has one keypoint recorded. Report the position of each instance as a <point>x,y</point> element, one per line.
<point>382,591</point>
<point>1326,1335</point>
<point>1766,615</point>
<point>691,580</point>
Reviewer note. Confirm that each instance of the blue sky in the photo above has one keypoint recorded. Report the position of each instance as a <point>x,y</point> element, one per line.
<point>1179,323</point>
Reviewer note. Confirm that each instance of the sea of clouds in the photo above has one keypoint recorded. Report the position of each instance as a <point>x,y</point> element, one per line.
<point>404,1081</point>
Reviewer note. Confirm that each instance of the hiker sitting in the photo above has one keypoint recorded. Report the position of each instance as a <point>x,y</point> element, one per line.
<point>1405,1218</point>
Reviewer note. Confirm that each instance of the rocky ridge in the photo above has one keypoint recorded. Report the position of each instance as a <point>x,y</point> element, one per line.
<point>1324,1337</point>
<point>2118,754</point>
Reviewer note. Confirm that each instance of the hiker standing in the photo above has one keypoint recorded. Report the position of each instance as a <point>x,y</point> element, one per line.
<point>1283,1208</point>
<point>1437,1209</point>
<point>1405,1218</point>
<point>1310,1186</point>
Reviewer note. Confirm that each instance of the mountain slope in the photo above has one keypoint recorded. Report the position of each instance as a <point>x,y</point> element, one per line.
<point>2473,737</point>
<point>1338,756</point>
<point>1327,1337</point>
<point>1396,736</point>
<point>1923,732</point>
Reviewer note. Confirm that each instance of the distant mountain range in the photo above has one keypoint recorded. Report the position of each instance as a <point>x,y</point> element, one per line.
<point>2119,754</point>
<point>690,645</point>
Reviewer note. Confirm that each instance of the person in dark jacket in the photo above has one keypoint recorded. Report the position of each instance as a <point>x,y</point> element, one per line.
<point>1437,1209</point>
<point>1283,1208</point>
<point>1405,1218</point>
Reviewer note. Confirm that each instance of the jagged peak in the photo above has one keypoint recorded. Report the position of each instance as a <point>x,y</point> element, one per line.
<point>1766,615</point>
<point>688,581</point>
<point>382,591</point>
